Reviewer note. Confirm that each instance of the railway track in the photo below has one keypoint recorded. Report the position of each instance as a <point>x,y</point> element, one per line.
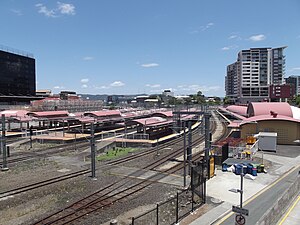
<point>78,173</point>
<point>112,193</point>
<point>108,195</point>
<point>42,153</point>
<point>43,183</point>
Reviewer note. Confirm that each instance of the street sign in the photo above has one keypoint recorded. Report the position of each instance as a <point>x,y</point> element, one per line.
<point>240,220</point>
<point>240,210</point>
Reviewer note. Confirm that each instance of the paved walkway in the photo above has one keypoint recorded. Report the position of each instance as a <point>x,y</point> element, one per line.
<point>292,216</point>
<point>218,187</point>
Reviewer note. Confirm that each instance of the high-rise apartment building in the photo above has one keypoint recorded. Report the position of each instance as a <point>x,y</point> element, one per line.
<point>249,78</point>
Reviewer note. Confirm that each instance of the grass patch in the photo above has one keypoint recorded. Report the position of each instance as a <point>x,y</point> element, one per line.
<point>115,153</point>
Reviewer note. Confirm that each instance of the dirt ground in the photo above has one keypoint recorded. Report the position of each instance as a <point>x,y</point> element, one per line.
<point>26,208</point>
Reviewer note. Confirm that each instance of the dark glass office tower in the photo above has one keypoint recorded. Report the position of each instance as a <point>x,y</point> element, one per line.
<point>17,74</point>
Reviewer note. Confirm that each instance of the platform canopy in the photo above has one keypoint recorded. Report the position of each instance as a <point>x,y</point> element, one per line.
<point>164,114</point>
<point>16,115</point>
<point>150,122</point>
<point>50,115</point>
<point>104,113</point>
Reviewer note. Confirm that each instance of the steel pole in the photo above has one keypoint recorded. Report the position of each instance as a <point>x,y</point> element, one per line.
<point>189,153</point>
<point>93,155</point>
<point>207,140</point>
<point>184,155</point>
<point>4,164</point>
<point>241,191</point>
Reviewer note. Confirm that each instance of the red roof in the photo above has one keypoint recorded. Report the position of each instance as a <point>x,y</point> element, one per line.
<point>86,119</point>
<point>19,115</point>
<point>232,113</point>
<point>103,113</point>
<point>129,115</point>
<point>265,108</point>
<point>150,121</point>
<point>163,114</point>
<point>268,117</point>
<point>14,113</point>
<point>49,114</point>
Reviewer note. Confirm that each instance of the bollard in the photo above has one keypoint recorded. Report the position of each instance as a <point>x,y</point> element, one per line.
<point>8,151</point>
<point>114,222</point>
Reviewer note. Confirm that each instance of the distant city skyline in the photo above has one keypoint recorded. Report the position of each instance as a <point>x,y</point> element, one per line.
<point>136,46</point>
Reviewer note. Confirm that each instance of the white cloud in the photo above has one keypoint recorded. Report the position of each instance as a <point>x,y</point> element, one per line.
<point>156,91</point>
<point>103,87</point>
<point>61,9</point>
<point>65,8</point>
<point>87,58</point>
<point>207,26</point>
<point>43,10</point>
<point>58,87</point>
<point>226,48</point>
<point>201,28</point>
<point>150,65</point>
<point>117,84</point>
<point>232,37</point>
<point>259,37</point>
<point>17,12</point>
<point>84,80</point>
<point>84,86</point>
<point>153,85</point>
<point>295,68</point>
<point>196,87</point>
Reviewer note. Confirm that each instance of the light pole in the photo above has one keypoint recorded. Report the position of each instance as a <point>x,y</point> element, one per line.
<point>241,191</point>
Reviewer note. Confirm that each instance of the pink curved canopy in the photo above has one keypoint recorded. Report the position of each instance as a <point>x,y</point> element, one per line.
<point>267,108</point>
<point>238,109</point>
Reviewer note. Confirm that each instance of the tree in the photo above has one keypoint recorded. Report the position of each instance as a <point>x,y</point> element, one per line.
<point>199,93</point>
<point>297,100</point>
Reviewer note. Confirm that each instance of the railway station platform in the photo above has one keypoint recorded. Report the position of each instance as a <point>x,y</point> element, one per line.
<point>59,137</point>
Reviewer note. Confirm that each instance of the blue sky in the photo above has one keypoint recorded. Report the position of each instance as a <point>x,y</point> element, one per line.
<point>143,46</point>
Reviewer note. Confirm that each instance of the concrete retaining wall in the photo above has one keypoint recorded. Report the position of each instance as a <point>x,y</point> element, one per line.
<point>279,208</point>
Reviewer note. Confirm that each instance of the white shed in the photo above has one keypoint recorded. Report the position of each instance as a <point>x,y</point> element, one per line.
<point>267,141</point>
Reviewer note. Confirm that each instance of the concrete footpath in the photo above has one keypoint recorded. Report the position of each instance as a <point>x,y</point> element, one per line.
<point>218,187</point>
<point>292,216</point>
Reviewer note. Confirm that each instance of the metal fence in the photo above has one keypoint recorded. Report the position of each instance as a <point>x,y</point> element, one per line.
<point>172,210</point>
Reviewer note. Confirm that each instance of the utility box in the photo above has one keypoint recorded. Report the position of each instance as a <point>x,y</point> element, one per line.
<point>267,141</point>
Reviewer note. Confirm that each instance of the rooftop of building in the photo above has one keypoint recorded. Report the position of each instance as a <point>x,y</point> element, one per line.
<point>16,51</point>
